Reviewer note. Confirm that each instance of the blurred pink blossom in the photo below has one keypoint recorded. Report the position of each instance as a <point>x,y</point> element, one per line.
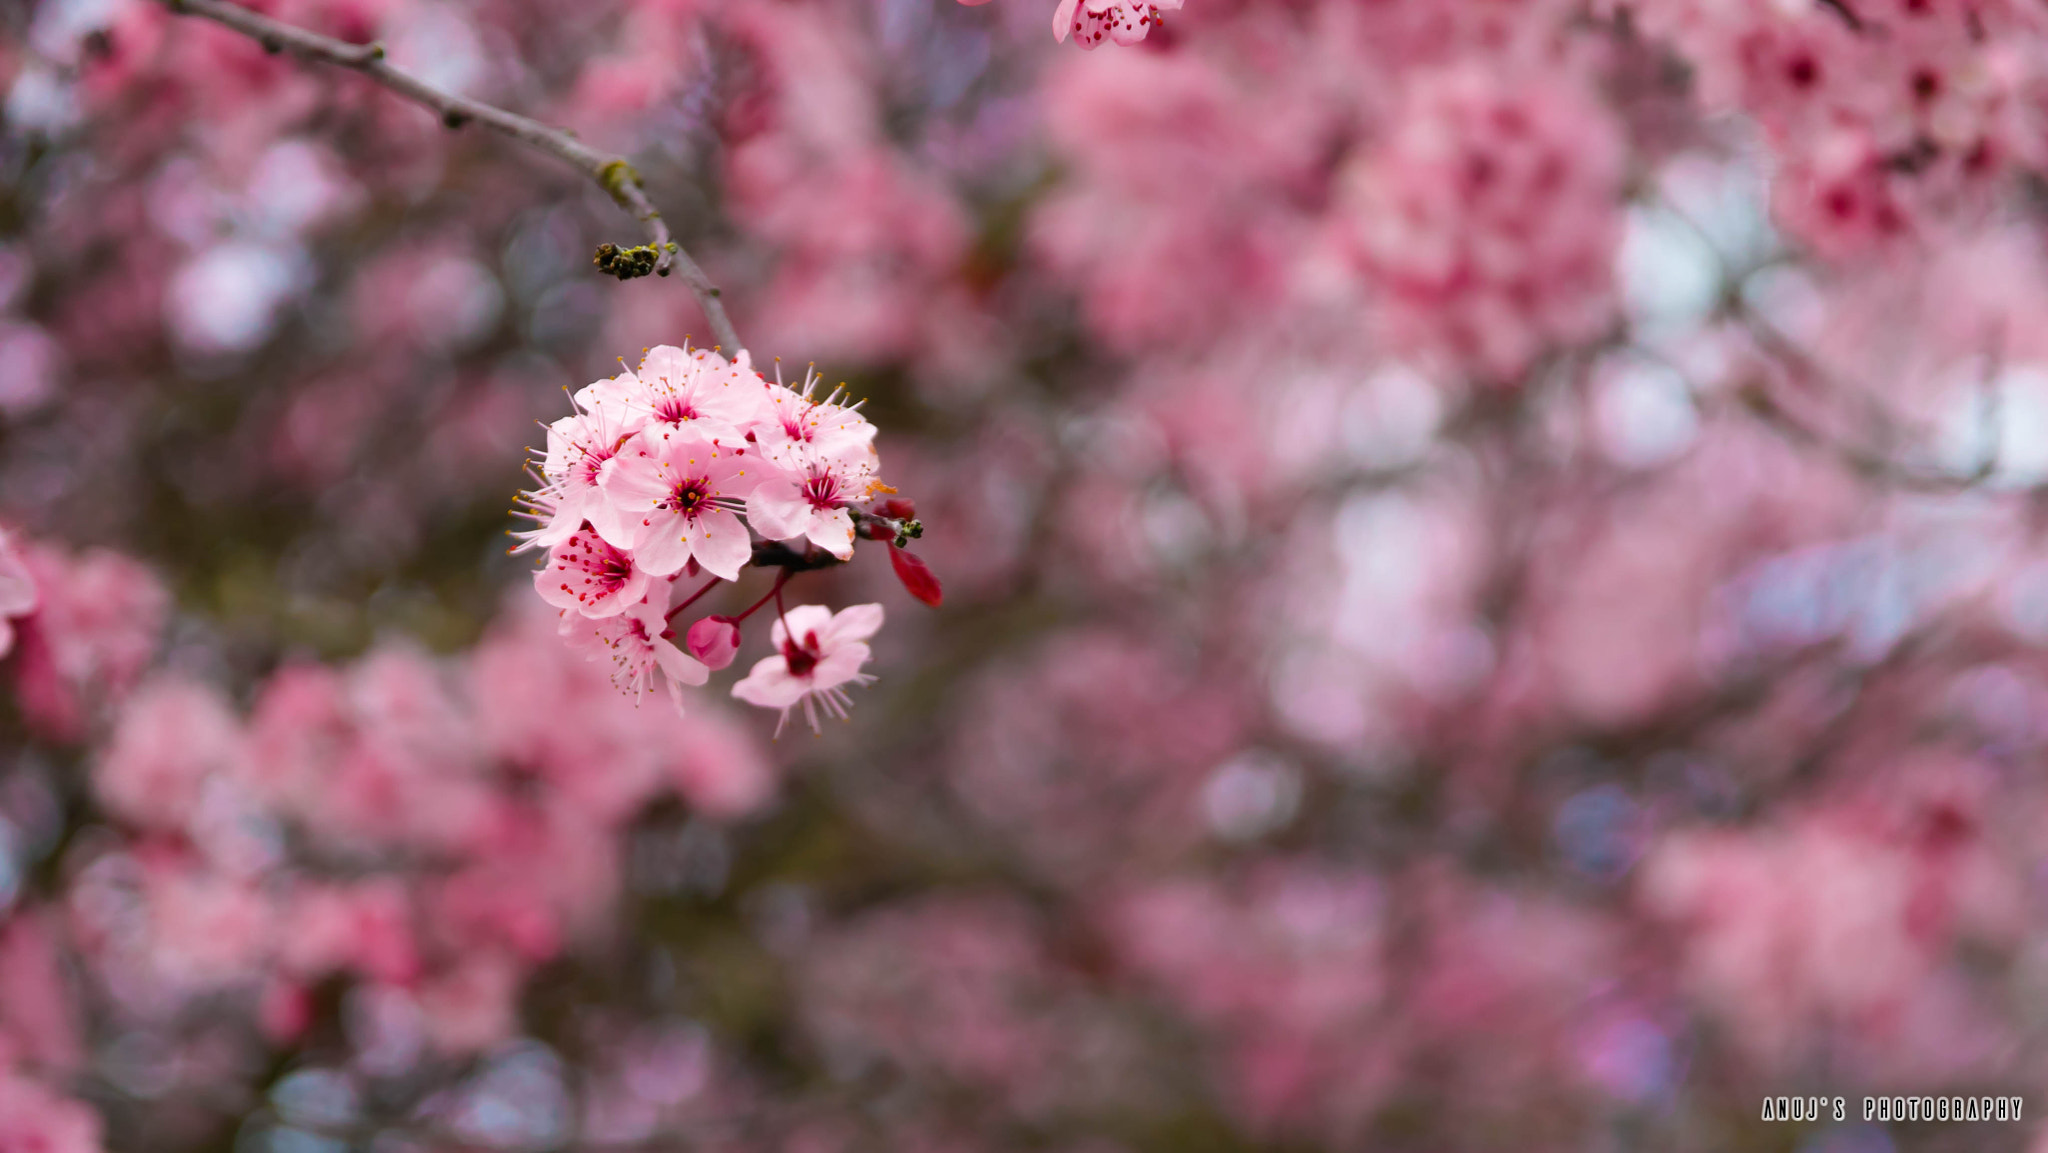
<point>94,629</point>
<point>18,595</point>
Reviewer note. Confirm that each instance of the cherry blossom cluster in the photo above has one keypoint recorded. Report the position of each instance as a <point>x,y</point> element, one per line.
<point>1886,115</point>
<point>1090,22</point>
<point>1487,220</point>
<point>660,475</point>
<point>479,834</point>
<point>422,832</point>
<point>79,628</point>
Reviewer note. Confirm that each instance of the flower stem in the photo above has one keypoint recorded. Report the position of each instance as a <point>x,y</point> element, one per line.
<point>775,593</point>
<point>660,255</point>
<point>694,597</point>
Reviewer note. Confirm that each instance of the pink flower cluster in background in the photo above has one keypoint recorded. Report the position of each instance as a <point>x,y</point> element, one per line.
<point>429,831</point>
<point>1890,115</point>
<point>1497,583</point>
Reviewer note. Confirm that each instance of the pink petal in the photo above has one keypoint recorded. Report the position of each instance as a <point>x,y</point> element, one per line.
<point>770,686</point>
<point>840,666</point>
<point>663,546</point>
<point>777,510</point>
<point>634,482</point>
<point>722,545</point>
<point>833,532</point>
<point>854,623</point>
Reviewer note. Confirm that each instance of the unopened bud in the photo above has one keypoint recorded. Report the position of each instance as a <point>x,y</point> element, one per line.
<point>714,641</point>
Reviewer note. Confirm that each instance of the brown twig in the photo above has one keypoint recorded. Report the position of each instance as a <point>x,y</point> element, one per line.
<point>612,173</point>
<point>1757,399</point>
<point>1874,462</point>
<point>804,557</point>
<point>1848,15</point>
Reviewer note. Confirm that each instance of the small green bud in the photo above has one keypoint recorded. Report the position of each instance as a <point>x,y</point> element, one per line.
<point>626,263</point>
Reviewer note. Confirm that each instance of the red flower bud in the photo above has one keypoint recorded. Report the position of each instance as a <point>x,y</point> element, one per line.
<point>714,641</point>
<point>916,577</point>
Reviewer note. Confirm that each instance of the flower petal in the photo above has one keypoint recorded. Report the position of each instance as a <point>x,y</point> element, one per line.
<point>770,686</point>
<point>853,623</point>
<point>777,508</point>
<point>721,544</point>
<point>841,665</point>
<point>833,532</point>
<point>663,545</point>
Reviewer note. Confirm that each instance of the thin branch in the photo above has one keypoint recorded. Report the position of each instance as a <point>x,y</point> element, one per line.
<point>866,526</point>
<point>1757,399</point>
<point>612,173</point>
<point>1841,8</point>
<point>1873,462</point>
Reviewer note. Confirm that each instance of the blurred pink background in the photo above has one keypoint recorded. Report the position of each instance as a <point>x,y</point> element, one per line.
<point>1495,581</point>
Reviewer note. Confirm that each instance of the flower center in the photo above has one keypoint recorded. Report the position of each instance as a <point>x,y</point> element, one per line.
<point>689,496</point>
<point>822,491</point>
<point>801,660</point>
<point>674,410</point>
<point>795,426</point>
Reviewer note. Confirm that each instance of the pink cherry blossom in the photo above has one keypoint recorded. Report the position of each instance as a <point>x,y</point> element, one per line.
<point>1487,218</point>
<point>93,631</point>
<point>797,416</point>
<point>1124,21</point>
<point>579,454</point>
<point>1901,120</point>
<point>1490,544</point>
<point>809,494</point>
<point>689,390</point>
<point>825,454</point>
<point>678,493</point>
<point>637,644</point>
<point>585,574</point>
<point>173,735</point>
<point>819,652</point>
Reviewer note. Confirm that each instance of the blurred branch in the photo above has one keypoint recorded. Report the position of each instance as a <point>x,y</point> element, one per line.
<point>1758,401</point>
<point>1882,430</point>
<point>1848,15</point>
<point>1871,462</point>
<point>612,173</point>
